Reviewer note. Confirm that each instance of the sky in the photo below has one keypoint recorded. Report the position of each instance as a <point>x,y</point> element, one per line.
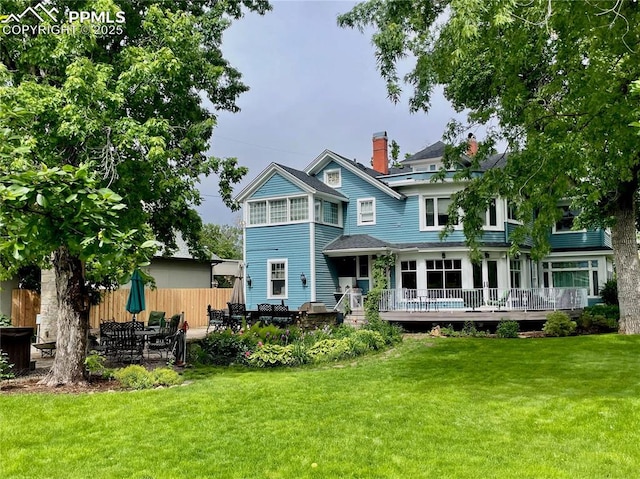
<point>313,86</point>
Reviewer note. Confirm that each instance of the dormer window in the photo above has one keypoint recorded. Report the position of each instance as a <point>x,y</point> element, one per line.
<point>333,178</point>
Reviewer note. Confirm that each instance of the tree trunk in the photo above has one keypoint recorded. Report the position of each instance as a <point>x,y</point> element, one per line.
<point>625,251</point>
<point>73,320</point>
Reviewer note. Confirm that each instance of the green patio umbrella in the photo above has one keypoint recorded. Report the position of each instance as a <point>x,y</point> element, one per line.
<point>135,302</point>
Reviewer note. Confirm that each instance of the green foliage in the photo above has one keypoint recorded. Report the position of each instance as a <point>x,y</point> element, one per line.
<point>391,333</point>
<point>468,330</point>
<point>328,350</point>
<point>372,340</point>
<point>5,366</point>
<point>591,321</point>
<point>5,321</point>
<point>134,377</point>
<point>559,324</point>
<point>138,377</point>
<point>94,363</point>
<point>166,377</point>
<point>272,355</point>
<point>507,329</point>
<point>226,347</point>
<point>379,269</point>
<point>608,311</point>
<point>609,292</point>
<point>223,240</point>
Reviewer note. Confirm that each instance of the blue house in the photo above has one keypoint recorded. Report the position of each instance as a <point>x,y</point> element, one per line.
<point>311,235</point>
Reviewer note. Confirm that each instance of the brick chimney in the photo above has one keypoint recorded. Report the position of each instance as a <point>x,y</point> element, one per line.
<point>380,160</point>
<point>472,145</point>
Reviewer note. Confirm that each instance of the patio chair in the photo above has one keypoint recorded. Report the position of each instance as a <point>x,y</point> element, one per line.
<point>156,320</point>
<point>164,340</point>
<point>502,301</point>
<point>237,313</point>
<point>127,346</point>
<point>216,319</point>
<point>265,313</point>
<point>281,315</point>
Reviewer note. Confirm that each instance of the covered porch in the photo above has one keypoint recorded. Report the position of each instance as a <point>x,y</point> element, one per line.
<point>482,300</point>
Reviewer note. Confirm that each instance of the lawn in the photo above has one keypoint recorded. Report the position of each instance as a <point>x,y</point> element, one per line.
<point>441,408</point>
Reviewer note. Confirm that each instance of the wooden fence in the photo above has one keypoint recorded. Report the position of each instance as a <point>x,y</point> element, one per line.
<point>25,305</point>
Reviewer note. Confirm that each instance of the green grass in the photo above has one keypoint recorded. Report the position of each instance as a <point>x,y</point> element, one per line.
<point>437,408</point>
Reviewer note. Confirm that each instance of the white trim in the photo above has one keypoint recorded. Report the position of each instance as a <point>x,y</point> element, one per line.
<point>333,170</point>
<point>422,212</point>
<point>327,156</point>
<point>268,201</point>
<point>286,277</point>
<point>359,211</point>
<point>268,173</point>
<point>312,259</point>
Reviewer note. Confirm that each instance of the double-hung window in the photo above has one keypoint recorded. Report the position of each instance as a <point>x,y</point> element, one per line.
<point>366,211</point>
<point>277,276</point>
<point>436,212</point>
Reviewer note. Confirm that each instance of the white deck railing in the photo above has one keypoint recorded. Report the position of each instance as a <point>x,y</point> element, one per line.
<point>483,299</point>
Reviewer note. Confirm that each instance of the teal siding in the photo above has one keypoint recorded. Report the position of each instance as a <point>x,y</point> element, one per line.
<point>577,240</point>
<point>276,186</point>
<point>326,276</point>
<point>289,242</point>
<point>363,284</point>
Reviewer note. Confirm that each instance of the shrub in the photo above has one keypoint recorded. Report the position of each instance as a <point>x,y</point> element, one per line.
<point>134,377</point>
<point>609,311</point>
<point>558,324</point>
<point>94,363</point>
<point>591,323</point>
<point>165,377</point>
<point>226,348</point>
<point>330,350</point>
<point>507,329</point>
<point>373,340</point>
<point>272,355</point>
<point>5,321</point>
<point>609,292</point>
<point>391,333</point>
<point>5,367</point>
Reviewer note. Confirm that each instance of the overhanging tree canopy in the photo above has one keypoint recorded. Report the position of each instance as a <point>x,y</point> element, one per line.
<point>121,110</point>
<point>556,77</point>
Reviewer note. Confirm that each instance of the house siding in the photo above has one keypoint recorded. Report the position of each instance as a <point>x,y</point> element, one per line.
<point>290,242</point>
<point>275,186</point>
<point>326,276</point>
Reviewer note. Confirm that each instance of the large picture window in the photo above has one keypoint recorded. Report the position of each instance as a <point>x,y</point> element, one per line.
<point>572,274</point>
<point>277,274</point>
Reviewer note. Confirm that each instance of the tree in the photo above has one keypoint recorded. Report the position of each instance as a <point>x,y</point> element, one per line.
<point>106,138</point>
<point>557,78</point>
<point>223,240</point>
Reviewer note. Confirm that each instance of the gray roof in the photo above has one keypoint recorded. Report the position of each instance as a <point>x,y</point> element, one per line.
<point>432,151</point>
<point>494,161</point>
<point>311,181</point>
<point>360,242</point>
<point>348,242</point>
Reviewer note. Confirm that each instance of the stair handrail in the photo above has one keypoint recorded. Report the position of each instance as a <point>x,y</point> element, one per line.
<point>339,305</point>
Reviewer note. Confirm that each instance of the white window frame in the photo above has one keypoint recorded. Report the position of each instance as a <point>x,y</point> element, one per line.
<point>337,184</point>
<point>498,226</point>
<point>320,219</point>
<point>266,215</point>
<point>360,221</point>
<point>422,211</point>
<point>564,232</point>
<point>270,262</point>
<point>287,213</point>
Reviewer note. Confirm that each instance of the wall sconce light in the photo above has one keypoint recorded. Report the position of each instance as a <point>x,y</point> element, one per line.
<point>303,279</point>
<point>249,281</point>
<point>444,255</point>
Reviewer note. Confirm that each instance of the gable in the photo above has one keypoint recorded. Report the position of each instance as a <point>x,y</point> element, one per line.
<point>277,185</point>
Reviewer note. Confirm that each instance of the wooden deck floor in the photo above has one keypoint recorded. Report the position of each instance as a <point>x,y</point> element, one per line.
<point>461,316</point>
